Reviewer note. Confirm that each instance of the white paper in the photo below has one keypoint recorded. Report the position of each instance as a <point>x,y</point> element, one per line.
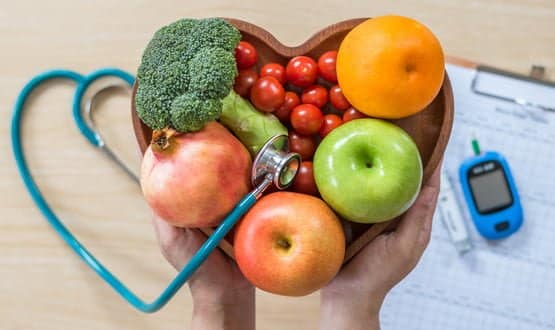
<point>506,284</point>
<point>516,89</point>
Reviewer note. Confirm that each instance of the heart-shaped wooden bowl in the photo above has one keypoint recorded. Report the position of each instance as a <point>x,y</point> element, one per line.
<point>430,128</point>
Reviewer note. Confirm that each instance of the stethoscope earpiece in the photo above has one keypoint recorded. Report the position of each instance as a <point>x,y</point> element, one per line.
<point>89,122</point>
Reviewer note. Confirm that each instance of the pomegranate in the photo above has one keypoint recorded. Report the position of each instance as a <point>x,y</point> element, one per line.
<point>194,179</point>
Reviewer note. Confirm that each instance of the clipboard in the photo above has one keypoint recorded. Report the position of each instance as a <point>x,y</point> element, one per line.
<point>535,76</point>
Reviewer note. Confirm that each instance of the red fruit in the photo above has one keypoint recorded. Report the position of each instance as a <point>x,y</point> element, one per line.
<point>291,101</point>
<point>331,121</point>
<point>194,180</point>
<point>337,99</point>
<point>275,70</point>
<point>244,82</point>
<point>326,66</point>
<point>267,94</point>
<point>352,114</point>
<point>303,145</point>
<point>301,71</point>
<point>290,244</point>
<point>316,95</point>
<point>245,55</point>
<point>306,119</point>
<point>304,181</point>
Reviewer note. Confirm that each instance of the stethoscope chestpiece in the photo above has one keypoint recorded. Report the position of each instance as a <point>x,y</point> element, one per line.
<point>275,164</point>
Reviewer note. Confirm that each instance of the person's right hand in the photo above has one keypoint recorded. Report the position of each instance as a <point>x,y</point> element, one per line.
<point>222,297</point>
<point>352,300</point>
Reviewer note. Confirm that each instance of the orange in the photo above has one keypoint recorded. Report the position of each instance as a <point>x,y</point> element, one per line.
<point>390,67</point>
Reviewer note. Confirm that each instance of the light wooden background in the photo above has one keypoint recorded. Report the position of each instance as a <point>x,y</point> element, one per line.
<point>42,284</point>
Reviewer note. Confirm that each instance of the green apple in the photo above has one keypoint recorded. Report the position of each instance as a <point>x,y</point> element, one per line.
<point>368,170</point>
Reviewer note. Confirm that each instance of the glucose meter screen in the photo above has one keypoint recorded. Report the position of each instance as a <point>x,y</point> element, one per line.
<point>490,191</point>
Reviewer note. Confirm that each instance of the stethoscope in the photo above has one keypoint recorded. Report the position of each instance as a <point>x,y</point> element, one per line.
<point>273,164</point>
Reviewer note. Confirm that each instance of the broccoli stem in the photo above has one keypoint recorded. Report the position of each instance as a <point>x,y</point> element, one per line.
<point>251,127</point>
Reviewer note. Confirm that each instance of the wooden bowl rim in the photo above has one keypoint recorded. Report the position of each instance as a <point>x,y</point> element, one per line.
<point>289,51</point>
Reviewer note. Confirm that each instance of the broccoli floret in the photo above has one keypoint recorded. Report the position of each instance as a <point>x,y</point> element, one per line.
<point>168,44</point>
<point>190,113</point>
<point>152,106</point>
<point>187,69</point>
<point>212,33</point>
<point>212,72</point>
<point>170,79</point>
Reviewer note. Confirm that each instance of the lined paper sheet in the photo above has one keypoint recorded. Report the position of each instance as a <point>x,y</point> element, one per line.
<point>506,284</point>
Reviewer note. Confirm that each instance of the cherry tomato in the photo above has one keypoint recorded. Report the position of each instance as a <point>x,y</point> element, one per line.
<point>316,95</point>
<point>306,119</point>
<point>330,123</point>
<point>352,114</point>
<point>301,71</point>
<point>304,181</point>
<point>337,99</point>
<point>267,94</point>
<point>326,66</point>
<point>291,101</point>
<point>244,81</point>
<point>275,70</point>
<point>303,145</point>
<point>245,55</point>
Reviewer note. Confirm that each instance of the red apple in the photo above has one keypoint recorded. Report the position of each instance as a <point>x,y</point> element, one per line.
<point>193,180</point>
<point>290,244</point>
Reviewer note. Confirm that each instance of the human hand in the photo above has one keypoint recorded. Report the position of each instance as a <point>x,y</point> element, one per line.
<point>222,297</point>
<point>352,300</point>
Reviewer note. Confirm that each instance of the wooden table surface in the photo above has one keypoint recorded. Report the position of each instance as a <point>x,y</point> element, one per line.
<point>43,285</point>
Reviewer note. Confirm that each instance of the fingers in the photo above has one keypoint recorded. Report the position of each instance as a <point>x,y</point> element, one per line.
<point>176,244</point>
<point>426,230</point>
<point>167,234</point>
<point>163,229</point>
<point>413,233</point>
<point>434,179</point>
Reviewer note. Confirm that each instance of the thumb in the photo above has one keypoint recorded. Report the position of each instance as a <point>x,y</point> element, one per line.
<point>415,227</point>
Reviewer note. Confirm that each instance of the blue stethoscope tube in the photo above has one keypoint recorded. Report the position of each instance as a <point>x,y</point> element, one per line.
<point>82,83</point>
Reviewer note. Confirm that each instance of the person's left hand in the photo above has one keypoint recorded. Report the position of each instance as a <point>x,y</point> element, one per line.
<point>352,300</point>
<point>221,294</point>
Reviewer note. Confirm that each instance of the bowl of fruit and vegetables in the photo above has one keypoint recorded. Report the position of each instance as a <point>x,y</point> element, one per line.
<point>365,102</point>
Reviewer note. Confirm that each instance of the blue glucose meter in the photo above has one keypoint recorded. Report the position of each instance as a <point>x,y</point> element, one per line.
<point>491,195</point>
